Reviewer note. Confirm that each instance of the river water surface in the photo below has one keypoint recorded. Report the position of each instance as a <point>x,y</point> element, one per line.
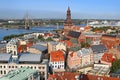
<point>6,32</point>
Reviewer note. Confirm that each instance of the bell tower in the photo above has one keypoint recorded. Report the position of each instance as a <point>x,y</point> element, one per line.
<point>68,22</point>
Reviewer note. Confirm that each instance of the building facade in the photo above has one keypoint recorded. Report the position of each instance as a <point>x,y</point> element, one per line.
<point>80,58</point>
<point>57,61</point>
<point>12,47</point>
<point>93,39</point>
<point>33,61</point>
<point>98,51</point>
<point>54,46</point>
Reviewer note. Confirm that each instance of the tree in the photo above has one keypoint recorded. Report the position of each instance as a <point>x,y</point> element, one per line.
<point>82,45</point>
<point>85,45</point>
<point>41,38</point>
<point>115,66</point>
<point>49,39</point>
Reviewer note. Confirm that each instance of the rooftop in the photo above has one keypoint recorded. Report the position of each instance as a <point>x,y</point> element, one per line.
<point>95,77</point>
<point>54,43</point>
<point>74,34</point>
<point>30,57</point>
<point>112,35</point>
<point>75,48</point>
<point>99,48</point>
<point>2,45</point>
<point>13,41</point>
<point>5,57</point>
<point>108,57</point>
<point>57,56</point>
<point>39,47</point>
<point>63,76</point>
<point>19,74</point>
<point>84,51</point>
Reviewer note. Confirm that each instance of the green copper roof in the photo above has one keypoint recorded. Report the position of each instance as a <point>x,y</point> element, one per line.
<point>19,74</point>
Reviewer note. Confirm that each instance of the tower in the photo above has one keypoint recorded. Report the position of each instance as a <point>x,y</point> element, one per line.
<point>27,26</point>
<point>68,21</point>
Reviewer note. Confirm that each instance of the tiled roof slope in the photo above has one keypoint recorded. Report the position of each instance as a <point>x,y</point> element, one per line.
<point>74,34</point>
<point>57,56</point>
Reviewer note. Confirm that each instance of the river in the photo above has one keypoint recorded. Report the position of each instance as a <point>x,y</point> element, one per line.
<point>6,32</point>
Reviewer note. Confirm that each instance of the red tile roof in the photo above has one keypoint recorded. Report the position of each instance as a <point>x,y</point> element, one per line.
<point>48,34</point>
<point>22,48</point>
<point>87,27</point>
<point>71,54</point>
<point>71,76</point>
<point>68,43</point>
<point>57,56</point>
<point>29,44</point>
<point>108,57</point>
<point>94,77</point>
<point>63,76</point>
<point>98,31</point>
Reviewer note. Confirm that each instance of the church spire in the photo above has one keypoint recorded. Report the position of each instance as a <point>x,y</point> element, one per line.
<point>68,18</point>
<point>68,8</point>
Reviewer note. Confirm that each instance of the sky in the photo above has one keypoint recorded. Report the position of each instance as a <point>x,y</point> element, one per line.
<point>80,9</point>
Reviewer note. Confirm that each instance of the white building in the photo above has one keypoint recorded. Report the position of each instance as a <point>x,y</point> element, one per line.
<point>37,34</point>
<point>57,61</point>
<point>11,47</point>
<point>32,61</point>
<point>54,46</point>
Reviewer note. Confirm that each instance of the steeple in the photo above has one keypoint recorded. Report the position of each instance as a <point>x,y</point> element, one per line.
<point>68,8</point>
<point>68,21</point>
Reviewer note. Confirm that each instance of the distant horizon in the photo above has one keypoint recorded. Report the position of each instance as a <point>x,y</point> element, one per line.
<point>55,18</point>
<point>54,9</point>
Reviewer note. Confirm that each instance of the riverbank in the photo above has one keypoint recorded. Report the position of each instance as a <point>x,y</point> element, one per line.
<point>10,31</point>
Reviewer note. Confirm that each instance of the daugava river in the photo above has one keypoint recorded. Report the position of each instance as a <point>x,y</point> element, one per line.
<point>6,32</point>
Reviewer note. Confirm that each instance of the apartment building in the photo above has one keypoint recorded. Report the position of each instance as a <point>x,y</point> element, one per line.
<point>33,61</point>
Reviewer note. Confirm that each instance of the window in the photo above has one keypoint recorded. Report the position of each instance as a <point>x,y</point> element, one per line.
<point>9,66</point>
<point>4,66</point>
<point>43,73</point>
<point>39,67</point>
<point>15,66</point>
<point>34,67</point>
<point>14,52</point>
<point>4,72</point>
<point>31,67</point>
<point>43,67</point>
<point>1,72</point>
<point>12,66</point>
